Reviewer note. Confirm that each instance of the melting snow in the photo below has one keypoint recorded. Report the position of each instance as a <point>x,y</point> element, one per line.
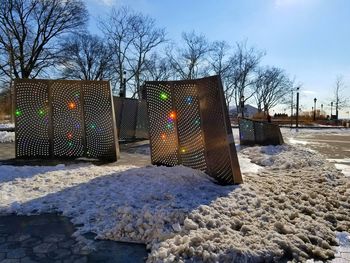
<point>7,136</point>
<point>290,205</point>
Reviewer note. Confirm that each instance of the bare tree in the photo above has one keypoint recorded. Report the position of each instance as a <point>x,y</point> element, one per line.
<point>188,61</point>
<point>86,57</point>
<point>147,38</point>
<point>220,64</point>
<point>28,30</point>
<point>132,36</point>
<point>240,84</point>
<point>157,68</point>
<point>271,87</point>
<point>340,100</point>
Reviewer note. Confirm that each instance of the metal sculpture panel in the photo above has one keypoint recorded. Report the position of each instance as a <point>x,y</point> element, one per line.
<point>142,121</point>
<point>32,119</point>
<point>66,119</point>
<point>131,118</point>
<point>261,133</point>
<point>189,125</point>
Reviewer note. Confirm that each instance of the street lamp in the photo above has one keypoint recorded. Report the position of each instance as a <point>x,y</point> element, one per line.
<point>242,105</point>
<point>331,109</point>
<point>297,114</point>
<point>315,108</point>
<point>122,89</point>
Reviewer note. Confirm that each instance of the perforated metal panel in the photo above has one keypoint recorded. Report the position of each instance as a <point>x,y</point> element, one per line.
<point>65,119</point>
<point>192,152</point>
<point>100,128</point>
<point>131,118</point>
<point>256,132</point>
<point>246,132</point>
<point>32,119</point>
<point>189,125</point>
<point>162,128</point>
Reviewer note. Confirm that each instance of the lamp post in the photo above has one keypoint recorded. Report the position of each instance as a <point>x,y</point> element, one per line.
<point>331,109</point>
<point>297,113</point>
<point>242,105</point>
<point>321,112</point>
<point>291,110</point>
<point>315,100</point>
<point>122,89</point>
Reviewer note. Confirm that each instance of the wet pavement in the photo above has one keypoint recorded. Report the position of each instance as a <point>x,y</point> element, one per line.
<point>335,147</point>
<point>48,238</point>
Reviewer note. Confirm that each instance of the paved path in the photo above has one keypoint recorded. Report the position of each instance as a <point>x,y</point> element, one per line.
<point>335,147</point>
<point>48,238</point>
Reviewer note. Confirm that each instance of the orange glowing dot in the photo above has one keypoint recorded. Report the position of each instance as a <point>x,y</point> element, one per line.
<point>72,105</point>
<point>172,115</point>
<point>163,136</point>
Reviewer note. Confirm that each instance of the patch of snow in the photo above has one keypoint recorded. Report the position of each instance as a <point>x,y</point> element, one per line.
<point>294,141</point>
<point>287,132</point>
<point>342,164</point>
<point>7,125</point>
<point>7,136</point>
<point>290,209</point>
<point>247,166</point>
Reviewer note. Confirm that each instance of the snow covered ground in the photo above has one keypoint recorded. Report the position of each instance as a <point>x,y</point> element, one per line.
<point>7,136</point>
<point>7,125</point>
<point>290,205</point>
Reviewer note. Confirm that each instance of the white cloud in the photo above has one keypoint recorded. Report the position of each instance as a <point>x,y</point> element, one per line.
<point>108,2</point>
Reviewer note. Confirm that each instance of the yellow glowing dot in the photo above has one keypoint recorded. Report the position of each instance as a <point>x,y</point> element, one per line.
<point>183,150</point>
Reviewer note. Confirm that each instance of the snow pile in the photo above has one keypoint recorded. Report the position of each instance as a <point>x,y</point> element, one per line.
<point>7,125</point>
<point>182,215</point>
<point>283,157</point>
<point>7,136</point>
<point>272,216</point>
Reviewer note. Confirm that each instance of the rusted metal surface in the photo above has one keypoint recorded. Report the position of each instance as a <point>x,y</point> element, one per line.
<point>261,133</point>
<point>65,119</point>
<point>189,125</point>
<point>131,118</point>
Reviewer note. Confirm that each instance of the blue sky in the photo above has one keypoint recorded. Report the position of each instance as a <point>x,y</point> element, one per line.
<point>310,39</point>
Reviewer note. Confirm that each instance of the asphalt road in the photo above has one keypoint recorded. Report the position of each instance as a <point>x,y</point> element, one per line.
<point>335,147</point>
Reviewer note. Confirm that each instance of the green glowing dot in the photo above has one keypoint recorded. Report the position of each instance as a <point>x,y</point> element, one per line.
<point>163,96</point>
<point>41,113</point>
<point>93,126</point>
<point>18,113</point>
<point>70,144</point>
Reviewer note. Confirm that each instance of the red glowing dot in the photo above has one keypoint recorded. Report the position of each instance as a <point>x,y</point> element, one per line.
<point>172,115</point>
<point>69,136</point>
<point>72,105</point>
